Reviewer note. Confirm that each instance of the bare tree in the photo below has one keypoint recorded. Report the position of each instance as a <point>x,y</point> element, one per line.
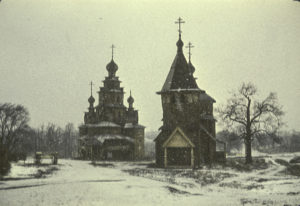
<point>252,117</point>
<point>69,140</point>
<point>13,121</point>
<point>53,138</point>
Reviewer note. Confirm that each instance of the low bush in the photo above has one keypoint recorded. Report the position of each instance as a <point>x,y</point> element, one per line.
<point>294,170</point>
<point>295,160</point>
<point>282,162</point>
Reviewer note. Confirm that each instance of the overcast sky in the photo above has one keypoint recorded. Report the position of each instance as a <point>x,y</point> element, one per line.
<point>52,49</point>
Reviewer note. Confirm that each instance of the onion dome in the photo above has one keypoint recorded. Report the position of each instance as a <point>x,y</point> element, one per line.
<point>191,67</point>
<point>179,44</point>
<point>112,67</point>
<point>91,100</point>
<point>130,100</point>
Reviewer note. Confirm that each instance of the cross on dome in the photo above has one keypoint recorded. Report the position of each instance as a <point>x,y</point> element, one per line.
<point>91,99</point>
<point>190,46</point>
<point>91,88</point>
<point>130,100</point>
<point>179,22</point>
<point>112,51</point>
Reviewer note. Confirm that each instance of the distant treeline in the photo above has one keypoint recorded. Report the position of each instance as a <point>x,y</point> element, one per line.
<point>270,143</point>
<point>18,140</point>
<point>48,139</point>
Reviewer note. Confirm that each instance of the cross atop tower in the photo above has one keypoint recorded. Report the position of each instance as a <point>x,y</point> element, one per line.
<point>112,51</point>
<point>179,22</point>
<point>190,46</point>
<point>91,88</point>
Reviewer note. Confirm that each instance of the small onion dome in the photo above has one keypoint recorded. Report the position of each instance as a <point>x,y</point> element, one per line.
<point>179,44</point>
<point>130,100</point>
<point>112,67</point>
<point>191,67</point>
<point>91,100</point>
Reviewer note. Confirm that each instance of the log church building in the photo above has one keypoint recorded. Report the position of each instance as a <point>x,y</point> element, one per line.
<point>187,137</point>
<point>111,131</point>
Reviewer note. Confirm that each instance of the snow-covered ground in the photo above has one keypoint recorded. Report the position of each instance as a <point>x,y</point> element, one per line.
<point>74,182</point>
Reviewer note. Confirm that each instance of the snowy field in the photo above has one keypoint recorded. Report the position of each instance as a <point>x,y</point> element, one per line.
<point>74,182</point>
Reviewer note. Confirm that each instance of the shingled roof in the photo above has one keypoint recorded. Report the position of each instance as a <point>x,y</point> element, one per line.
<point>181,74</point>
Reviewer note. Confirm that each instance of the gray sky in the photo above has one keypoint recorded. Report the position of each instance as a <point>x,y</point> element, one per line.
<point>52,49</point>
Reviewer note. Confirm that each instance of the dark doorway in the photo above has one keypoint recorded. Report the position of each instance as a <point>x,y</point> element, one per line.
<point>179,156</point>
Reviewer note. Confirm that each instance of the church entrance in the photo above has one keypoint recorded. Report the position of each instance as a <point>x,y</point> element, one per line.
<point>180,156</point>
<point>178,150</point>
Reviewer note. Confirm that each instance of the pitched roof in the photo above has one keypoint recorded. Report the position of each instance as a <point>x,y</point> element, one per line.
<point>180,75</point>
<point>204,96</point>
<point>165,136</point>
<point>183,136</point>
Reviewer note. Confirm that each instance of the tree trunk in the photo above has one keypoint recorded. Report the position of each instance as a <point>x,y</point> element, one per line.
<point>248,135</point>
<point>248,150</point>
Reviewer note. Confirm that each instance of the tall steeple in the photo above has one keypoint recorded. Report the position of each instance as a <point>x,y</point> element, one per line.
<point>188,109</point>
<point>180,76</point>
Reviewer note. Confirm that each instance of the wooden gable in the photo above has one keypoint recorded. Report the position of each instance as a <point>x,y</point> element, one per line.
<point>178,139</point>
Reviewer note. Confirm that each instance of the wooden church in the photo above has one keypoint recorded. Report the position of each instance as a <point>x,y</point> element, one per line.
<point>111,131</point>
<point>187,137</point>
